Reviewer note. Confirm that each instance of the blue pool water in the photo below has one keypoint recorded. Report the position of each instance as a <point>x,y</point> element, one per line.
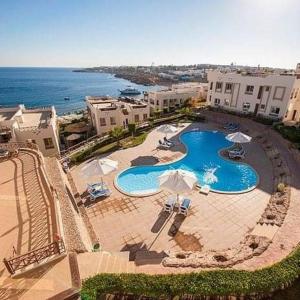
<point>203,159</point>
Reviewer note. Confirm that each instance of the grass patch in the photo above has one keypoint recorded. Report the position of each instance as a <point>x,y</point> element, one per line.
<point>134,141</point>
<point>206,283</point>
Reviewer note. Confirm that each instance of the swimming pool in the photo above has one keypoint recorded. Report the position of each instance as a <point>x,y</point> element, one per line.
<point>203,159</point>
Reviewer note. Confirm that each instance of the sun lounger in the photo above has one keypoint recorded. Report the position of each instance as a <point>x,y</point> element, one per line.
<point>236,151</point>
<point>237,155</point>
<point>184,207</point>
<point>170,204</point>
<point>163,145</point>
<point>97,190</point>
<point>205,189</point>
<point>231,126</point>
<point>168,142</point>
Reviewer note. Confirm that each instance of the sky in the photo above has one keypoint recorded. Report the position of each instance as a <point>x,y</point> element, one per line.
<point>86,33</point>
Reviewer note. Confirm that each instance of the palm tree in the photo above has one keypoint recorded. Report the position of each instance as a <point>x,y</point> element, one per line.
<point>117,133</point>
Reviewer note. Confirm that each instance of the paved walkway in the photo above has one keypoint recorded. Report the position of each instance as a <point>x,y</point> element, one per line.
<point>26,224</point>
<point>216,221</point>
<point>25,210</point>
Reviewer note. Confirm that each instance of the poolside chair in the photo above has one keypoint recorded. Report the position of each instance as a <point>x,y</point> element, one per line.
<point>184,207</point>
<point>237,150</point>
<point>233,127</point>
<point>170,204</point>
<point>97,190</point>
<point>205,189</point>
<point>240,154</point>
<point>163,145</point>
<point>168,142</point>
<point>228,125</point>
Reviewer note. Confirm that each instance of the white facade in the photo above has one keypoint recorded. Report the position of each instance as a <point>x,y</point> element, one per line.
<point>19,124</point>
<point>175,97</point>
<point>107,113</point>
<point>267,95</point>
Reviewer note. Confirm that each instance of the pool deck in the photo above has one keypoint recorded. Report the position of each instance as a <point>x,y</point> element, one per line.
<point>138,225</point>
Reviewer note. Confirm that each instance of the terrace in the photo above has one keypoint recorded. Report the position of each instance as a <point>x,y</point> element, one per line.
<point>216,221</point>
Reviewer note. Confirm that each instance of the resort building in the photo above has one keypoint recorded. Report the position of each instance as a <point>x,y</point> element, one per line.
<point>170,99</point>
<point>38,125</point>
<point>263,94</point>
<point>107,112</point>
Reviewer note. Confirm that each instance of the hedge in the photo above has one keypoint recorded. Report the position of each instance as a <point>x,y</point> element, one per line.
<point>290,133</point>
<point>205,283</point>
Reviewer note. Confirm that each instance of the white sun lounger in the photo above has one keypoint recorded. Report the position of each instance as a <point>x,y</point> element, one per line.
<point>205,189</point>
<point>237,154</point>
<point>170,204</point>
<point>163,145</point>
<point>184,207</point>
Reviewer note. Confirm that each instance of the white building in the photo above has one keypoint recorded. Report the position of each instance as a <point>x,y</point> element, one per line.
<point>267,95</point>
<point>107,112</point>
<point>170,99</point>
<point>18,124</point>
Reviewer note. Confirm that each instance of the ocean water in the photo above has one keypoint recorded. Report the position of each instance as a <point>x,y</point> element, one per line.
<point>202,159</point>
<point>49,86</point>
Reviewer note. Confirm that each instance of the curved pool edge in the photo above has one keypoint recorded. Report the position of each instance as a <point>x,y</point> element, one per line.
<point>185,154</point>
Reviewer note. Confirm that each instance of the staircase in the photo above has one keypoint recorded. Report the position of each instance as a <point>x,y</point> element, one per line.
<point>92,263</point>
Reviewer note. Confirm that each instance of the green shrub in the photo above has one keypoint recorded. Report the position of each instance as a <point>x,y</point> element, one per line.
<point>290,133</point>
<point>205,283</point>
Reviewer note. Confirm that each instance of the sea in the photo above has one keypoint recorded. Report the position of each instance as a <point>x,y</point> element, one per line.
<point>49,86</point>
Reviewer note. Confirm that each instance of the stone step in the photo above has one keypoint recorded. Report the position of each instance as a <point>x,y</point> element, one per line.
<point>92,263</point>
<point>149,257</point>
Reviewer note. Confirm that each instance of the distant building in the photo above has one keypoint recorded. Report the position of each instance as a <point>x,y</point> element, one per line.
<point>19,124</point>
<point>170,99</point>
<point>268,95</point>
<point>107,112</point>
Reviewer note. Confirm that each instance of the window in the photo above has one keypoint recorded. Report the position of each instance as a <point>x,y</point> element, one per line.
<point>217,101</point>
<point>157,102</point>
<point>102,122</point>
<point>274,110</point>
<point>279,93</point>
<point>260,91</point>
<point>145,117</point>
<point>296,93</point>
<point>228,88</point>
<point>211,85</point>
<point>136,118</point>
<point>226,102</point>
<point>267,88</point>
<point>48,143</point>
<point>262,106</point>
<point>246,106</point>
<point>219,86</point>
<point>210,98</point>
<point>165,103</point>
<point>112,121</point>
<point>249,89</point>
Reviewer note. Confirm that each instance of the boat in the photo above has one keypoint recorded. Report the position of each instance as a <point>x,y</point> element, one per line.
<point>130,91</point>
<point>67,98</point>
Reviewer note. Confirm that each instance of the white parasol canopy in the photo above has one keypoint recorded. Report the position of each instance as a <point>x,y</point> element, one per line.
<point>177,181</point>
<point>99,167</point>
<point>238,137</point>
<point>167,129</point>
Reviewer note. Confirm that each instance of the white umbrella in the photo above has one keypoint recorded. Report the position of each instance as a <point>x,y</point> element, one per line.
<point>99,167</point>
<point>238,137</point>
<point>167,129</point>
<point>177,181</point>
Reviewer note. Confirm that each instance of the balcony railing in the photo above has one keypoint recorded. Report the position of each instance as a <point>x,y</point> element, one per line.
<point>36,256</point>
